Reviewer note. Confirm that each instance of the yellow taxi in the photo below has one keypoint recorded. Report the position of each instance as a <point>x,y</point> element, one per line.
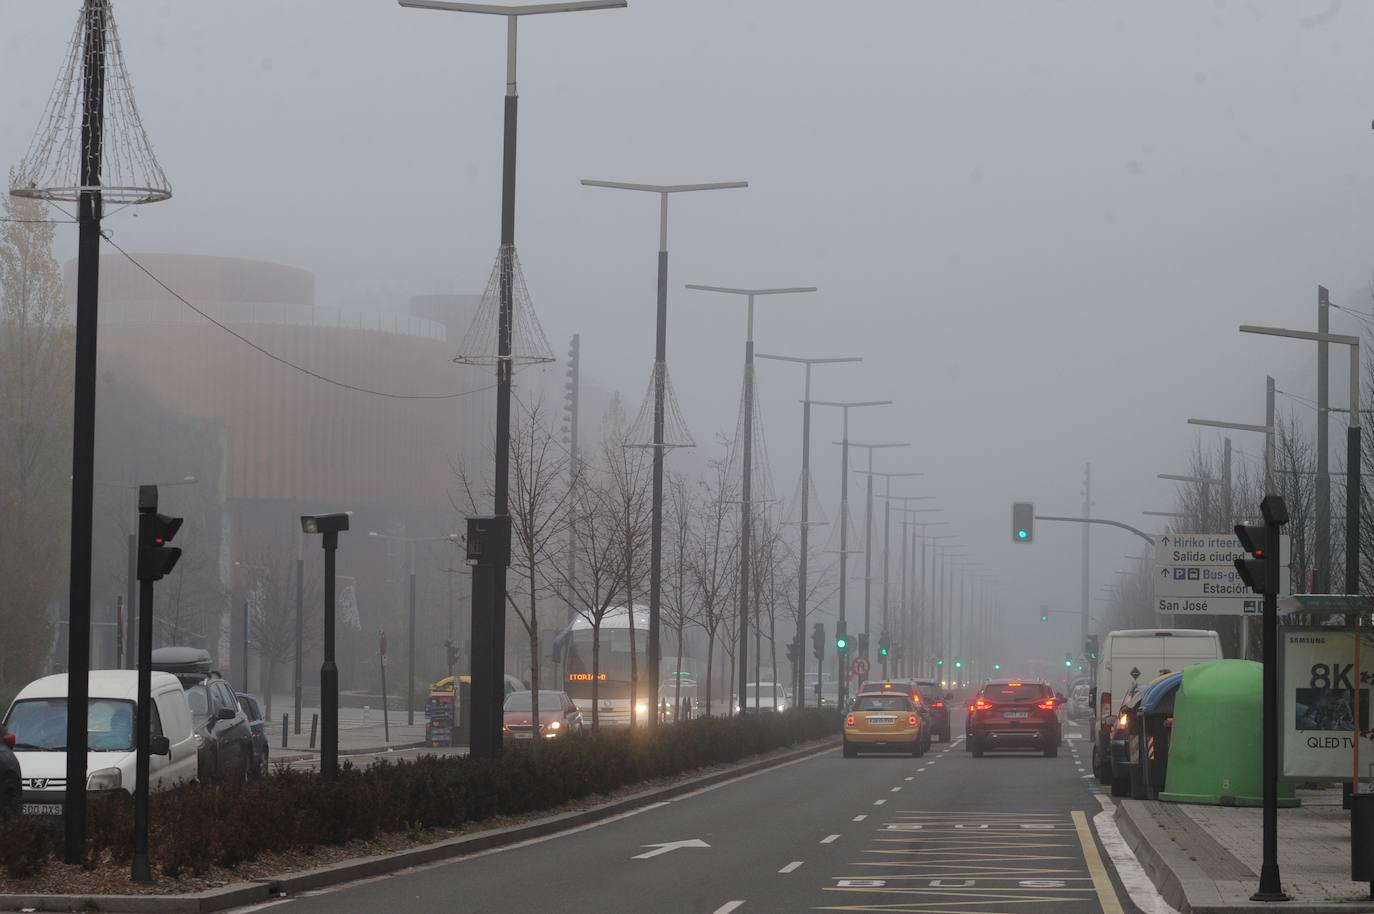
<point>883,721</point>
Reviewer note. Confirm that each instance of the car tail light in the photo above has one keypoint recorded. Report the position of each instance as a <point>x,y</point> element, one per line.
<point>981,705</point>
<point>1124,719</point>
<point>911,721</point>
<point>9,740</point>
<point>938,704</point>
<point>1047,705</point>
<point>849,721</point>
<point>1105,714</point>
<point>916,699</point>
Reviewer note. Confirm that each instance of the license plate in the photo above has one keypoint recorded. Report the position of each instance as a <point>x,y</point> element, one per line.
<point>1015,715</point>
<point>881,720</point>
<point>42,809</point>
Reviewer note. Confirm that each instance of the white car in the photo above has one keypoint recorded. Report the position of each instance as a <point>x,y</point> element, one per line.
<point>38,720</point>
<point>765,696</point>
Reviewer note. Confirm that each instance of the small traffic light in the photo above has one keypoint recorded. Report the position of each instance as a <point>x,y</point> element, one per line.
<point>841,638</point>
<point>1044,614</point>
<point>1022,522</point>
<point>862,643</point>
<point>1091,647</point>
<point>1068,662</point>
<point>452,656</point>
<point>883,644</point>
<point>793,652</point>
<point>155,558</point>
<point>997,667</point>
<point>897,652</point>
<point>939,661</point>
<point>818,640</point>
<point>1262,573</point>
<point>958,663</point>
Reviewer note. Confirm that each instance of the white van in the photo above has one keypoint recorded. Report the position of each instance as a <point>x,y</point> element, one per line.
<point>38,720</point>
<point>1131,659</point>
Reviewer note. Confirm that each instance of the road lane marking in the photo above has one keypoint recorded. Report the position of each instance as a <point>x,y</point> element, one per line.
<point>879,802</point>
<point>727,907</point>
<point>894,790</point>
<point>922,768</point>
<point>860,818</point>
<point>791,867</point>
<point>830,839</point>
<point>1106,895</point>
<point>911,777</point>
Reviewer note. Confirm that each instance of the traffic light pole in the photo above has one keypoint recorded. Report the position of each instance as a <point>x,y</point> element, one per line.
<point>329,671</point>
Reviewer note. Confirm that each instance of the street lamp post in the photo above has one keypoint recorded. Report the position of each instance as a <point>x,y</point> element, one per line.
<point>930,610</point>
<point>887,544</point>
<point>410,626</point>
<point>804,520</point>
<point>489,578</point>
<point>329,526</point>
<point>747,508</point>
<point>868,524</point>
<point>660,386</point>
<point>908,623</point>
<point>845,407</point>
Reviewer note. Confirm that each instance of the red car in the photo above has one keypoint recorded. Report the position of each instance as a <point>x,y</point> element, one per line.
<point>558,716</point>
<point>1012,714</point>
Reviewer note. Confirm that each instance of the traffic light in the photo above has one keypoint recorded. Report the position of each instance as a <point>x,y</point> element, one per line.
<point>1068,661</point>
<point>958,663</point>
<point>818,640</point>
<point>155,558</point>
<point>882,644</point>
<point>1262,573</point>
<point>862,643</point>
<point>939,661</point>
<point>1022,522</point>
<point>793,652</point>
<point>897,652</point>
<point>1090,649</point>
<point>1044,614</point>
<point>841,638</point>
<point>997,667</point>
<point>452,656</point>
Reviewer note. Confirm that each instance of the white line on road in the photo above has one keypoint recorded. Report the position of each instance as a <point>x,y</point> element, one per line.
<point>919,770</point>
<point>1133,877</point>
<point>830,839</point>
<point>860,818</point>
<point>911,777</point>
<point>791,867</point>
<point>727,907</point>
<point>879,802</point>
<point>894,790</point>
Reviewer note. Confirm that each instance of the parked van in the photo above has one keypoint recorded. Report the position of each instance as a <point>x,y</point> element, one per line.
<point>38,719</point>
<point>1130,660</point>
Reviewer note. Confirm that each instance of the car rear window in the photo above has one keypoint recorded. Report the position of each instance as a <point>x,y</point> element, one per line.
<point>1029,691</point>
<point>881,703</point>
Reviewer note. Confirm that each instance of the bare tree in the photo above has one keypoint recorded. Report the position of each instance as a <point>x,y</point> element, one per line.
<point>713,564</point>
<point>36,352</point>
<point>627,471</point>
<point>678,607</point>
<point>272,613</point>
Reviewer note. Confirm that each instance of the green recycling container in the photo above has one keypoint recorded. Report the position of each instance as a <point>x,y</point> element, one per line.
<point>1215,753</point>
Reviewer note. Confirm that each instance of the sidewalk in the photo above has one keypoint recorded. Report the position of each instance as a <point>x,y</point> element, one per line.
<point>361,730</point>
<point>1205,859</point>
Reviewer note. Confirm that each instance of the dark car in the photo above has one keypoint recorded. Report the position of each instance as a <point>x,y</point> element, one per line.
<point>10,789</point>
<point>1141,737</point>
<point>1011,714</point>
<point>224,741</point>
<point>252,709</point>
<point>939,706</point>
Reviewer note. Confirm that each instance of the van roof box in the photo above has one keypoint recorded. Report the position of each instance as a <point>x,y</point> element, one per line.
<point>188,664</point>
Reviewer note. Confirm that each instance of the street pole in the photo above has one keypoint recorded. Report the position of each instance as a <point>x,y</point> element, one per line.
<point>329,670</point>
<point>1087,512</point>
<point>747,472</point>
<point>659,445</point>
<point>1323,532</point>
<point>805,496</point>
<point>842,673</point>
<point>410,646</point>
<point>489,578</point>
<point>1352,484</point>
<point>868,528</point>
<point>83,430</point>
<point>296,683</point>
<point>131,632</point>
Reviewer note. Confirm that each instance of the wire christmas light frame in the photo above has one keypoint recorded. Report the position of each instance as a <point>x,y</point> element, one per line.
<point>528,345</point>
<point>129,171</point>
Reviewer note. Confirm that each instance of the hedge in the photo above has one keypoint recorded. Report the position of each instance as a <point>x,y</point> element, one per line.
<point>201,826</point>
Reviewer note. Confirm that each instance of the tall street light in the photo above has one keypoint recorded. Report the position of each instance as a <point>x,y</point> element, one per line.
<point>804,520</point>
<point>908,551</point>
<point>868,524</point>
<point>887,545</point>
<point>329,526</point>
<point>930,608</point>
<point>1352,446</point>
<point>747,470</point>
<point>845,407</point>
<point>660,388</point>
<point>489,578</point>
<point>410,625</point>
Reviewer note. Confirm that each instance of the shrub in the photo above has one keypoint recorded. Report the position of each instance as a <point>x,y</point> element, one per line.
<point>200,826</point>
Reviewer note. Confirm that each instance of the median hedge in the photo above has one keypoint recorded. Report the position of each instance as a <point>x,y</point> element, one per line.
<point>201,826</point>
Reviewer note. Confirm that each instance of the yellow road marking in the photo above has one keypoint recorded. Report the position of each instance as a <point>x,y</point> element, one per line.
<point>1101,881</point>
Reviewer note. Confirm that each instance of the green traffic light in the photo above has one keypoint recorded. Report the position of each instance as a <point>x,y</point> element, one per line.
<point>997,667</point>
<point>958,664</point>
<point>1068,663</point>
<point>939,661</point>
<point>1021,534</point>
<point>883,651</point>
<point>841,643</point>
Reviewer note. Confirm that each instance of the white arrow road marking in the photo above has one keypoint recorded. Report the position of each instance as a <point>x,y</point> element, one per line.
<point>669,846</point>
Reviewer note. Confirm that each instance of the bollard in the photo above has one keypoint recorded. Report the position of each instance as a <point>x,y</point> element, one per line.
<point>285,719</point>
<point>314,722</point>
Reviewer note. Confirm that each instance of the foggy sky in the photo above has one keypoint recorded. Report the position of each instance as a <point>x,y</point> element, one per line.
<point>1038,222</point>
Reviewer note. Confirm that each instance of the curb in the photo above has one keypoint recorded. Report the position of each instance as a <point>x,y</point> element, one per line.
<point>243,893</point>
<point>1185,885</point>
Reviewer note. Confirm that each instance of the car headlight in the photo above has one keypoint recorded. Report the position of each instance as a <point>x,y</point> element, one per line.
<point>555,725</point>
<point>641,709</point>
<point>200,742</point>
<point>105,779</point>
<point>781,708</point>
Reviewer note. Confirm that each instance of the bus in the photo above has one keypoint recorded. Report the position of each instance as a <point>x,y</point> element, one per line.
<point>573,653</point>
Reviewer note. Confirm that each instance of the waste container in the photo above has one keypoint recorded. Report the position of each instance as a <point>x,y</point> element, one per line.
<point>1215,751</point>
<point>1156,732</point>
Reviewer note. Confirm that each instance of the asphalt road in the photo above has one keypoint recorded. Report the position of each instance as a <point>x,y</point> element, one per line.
<point>1004,833</point>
